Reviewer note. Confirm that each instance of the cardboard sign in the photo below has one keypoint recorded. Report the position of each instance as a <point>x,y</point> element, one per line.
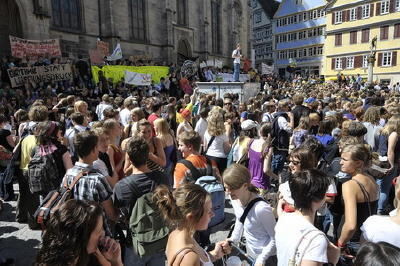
<point>19,75</point>
<point>21,48</point>
<point>103,48</point>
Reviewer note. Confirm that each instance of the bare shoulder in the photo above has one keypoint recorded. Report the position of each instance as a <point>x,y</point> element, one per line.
<point>191,258</point>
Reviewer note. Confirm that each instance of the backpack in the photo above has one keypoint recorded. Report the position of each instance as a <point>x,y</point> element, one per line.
<point>211,184</point>
<point>43,173</point>
<point>148,229</point>
<point>280,138</point>
<point>54,200</point>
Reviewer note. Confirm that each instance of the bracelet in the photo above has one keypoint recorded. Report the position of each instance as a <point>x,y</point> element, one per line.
<point>341,245</point>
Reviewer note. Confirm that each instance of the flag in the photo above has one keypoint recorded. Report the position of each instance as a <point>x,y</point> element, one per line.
<point>117,54</point>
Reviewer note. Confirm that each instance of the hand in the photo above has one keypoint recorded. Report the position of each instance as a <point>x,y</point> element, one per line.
<point>333,253</point>
<point>389,171</point>
<point>111,250</point>
<point>221,248</point>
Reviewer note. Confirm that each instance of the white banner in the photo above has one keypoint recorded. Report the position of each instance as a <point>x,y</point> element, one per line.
<point>203,64</point>
<point>210,62</point>
<point>227,77</point>
<point>266,69</point>
<point>218,63</point>
<point>138,79</point>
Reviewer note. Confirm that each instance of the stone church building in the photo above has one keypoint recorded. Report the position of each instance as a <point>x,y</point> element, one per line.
<point>167,31</point>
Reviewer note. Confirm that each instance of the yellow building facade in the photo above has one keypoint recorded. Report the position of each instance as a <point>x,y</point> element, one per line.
<point>350,28</point>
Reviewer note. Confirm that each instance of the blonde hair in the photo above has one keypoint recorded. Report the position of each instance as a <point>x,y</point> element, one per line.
<point>215,122</point>
<point>314,117</point>
<point>138,112</point>
<point>359,152</point>
<point>236,175</point>
<point>79,105</point>
<point>162,125</point>
<point>393,125</point>
<point>304,123</point>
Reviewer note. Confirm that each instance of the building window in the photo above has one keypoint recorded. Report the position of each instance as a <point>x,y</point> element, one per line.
<point>138,19</point>
<point>387,59</point>
<point>305,16</point>
<point>67,14</point>
<point>353,14</point>
<point>366,9</point>
<point>315,14</point>
<point>385,7</point>
<point>338,39</point>
<point>397,5</point>
<point>338,17</point>
<point>350,62</point>
<point>181,7</point>
<point>338,63</point>
<point>216,26</point>
<point>384,32</point>
<point>365,61</point>
<point>320,50</point>
<point>365,35</point>
<point>353,37</point>
<point>300,53</point>
<point>257,17</point>
<point>305,52</point>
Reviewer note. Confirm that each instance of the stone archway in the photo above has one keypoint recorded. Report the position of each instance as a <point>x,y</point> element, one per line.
<point>10,24</point>
<point>184,52</point>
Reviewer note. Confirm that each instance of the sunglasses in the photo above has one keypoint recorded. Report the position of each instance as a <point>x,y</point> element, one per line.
<point>294,162</point>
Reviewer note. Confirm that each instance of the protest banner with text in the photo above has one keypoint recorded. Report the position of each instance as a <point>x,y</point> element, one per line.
<point>21,48</point>
<point>20,75</point>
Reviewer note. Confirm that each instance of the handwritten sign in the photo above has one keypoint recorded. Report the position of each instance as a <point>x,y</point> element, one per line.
<point>21,48</point>
<point>20,75</point>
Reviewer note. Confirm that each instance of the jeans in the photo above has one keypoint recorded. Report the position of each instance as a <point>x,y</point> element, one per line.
<point>384,188</point>
<point>236,71</point>
<point>27,202</point>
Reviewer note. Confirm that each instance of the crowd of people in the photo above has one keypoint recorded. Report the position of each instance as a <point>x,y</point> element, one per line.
<point>311,170</point>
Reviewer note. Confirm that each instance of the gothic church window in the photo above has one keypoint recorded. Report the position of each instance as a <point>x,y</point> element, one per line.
<point>67,14</point>
<point>181,8</point>
<point>138,19</point>
<point>216,26</point>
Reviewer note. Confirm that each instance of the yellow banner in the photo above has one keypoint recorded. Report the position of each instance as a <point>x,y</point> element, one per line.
<point>117,73</point>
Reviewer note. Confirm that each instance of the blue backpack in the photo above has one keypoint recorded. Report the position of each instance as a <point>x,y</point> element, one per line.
<point>211,184</point>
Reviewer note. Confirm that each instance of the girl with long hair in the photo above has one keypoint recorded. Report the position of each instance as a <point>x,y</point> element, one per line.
<point>75,236</point>
<point>187,209</point>
<point>258,226</point>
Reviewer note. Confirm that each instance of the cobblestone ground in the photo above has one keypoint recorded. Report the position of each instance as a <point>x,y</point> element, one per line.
<point>17,241</point>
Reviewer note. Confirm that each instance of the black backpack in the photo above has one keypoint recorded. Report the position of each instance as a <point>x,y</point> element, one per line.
<point>43,173</point>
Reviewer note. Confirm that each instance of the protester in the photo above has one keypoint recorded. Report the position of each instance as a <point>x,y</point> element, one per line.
<point>75,236</point>
<point>188,209</point>
<point>258,225</point>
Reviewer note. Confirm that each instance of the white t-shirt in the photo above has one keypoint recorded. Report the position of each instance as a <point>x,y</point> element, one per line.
<point>258,229</point>
<point>125,116</point>
<point>288,231</point>
<point>236,52</point>
<point>381,228</point>
<point>201,127</point>
<point>284,189</point>
<point>216,148</point>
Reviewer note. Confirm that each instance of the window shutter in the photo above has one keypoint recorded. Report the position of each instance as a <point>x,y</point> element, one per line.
<point>344,15</point>
<point>394,58</point>
<point>392,7</point>
<point>379,59</point>
<point>396,31</point>
<point>378,9</point>
<point>343,62</point>
<point>348,15</point>
<point>359,12</point>
<point>333,63</point>
<point>382,33</point>
<point>333,18</point>
<point>340,39</point>
<point>371,10</point>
